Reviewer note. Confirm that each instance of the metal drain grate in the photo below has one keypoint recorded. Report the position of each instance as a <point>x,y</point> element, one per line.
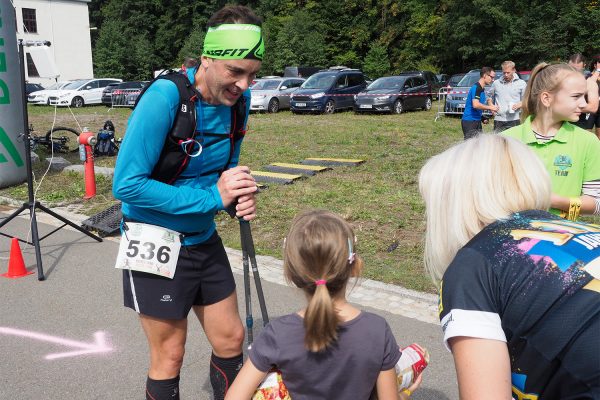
<point>105,222</point>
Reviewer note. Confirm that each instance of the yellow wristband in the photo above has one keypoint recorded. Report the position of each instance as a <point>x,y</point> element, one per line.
<point>574,208</point>
<point>407,392</point>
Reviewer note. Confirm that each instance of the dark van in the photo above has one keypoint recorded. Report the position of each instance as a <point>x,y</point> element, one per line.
<point>328,91</point>
<point>300,72</point>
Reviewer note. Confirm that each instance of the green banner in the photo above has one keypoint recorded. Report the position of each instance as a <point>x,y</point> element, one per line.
<point>12,150</point>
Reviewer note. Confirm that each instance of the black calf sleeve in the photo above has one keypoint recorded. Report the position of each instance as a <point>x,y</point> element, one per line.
<point>222,373</point>
<point>164,389</point>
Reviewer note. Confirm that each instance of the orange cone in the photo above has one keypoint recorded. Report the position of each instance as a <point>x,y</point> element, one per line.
<point>16,264</point>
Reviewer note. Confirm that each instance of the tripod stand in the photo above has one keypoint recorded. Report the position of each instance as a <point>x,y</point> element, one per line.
<point>31,204</point>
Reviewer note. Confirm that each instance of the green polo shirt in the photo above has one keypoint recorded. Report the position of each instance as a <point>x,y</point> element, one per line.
<point>571,157</point>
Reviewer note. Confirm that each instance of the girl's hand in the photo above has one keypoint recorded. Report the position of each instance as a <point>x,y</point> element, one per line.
<point>246,382</point>
<point>406,393</point>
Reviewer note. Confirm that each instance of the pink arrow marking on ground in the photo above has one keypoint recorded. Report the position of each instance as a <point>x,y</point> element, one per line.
<point>98,346</point>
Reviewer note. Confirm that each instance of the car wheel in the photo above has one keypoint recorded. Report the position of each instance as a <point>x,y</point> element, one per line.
<point>427,105</point>
<point>398,107</point>
<point>273,105</point>
<point>77,102</point>
<point>329,107</point>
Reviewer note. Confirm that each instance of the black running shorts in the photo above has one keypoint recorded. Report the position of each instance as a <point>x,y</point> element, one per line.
<point>203,277</point>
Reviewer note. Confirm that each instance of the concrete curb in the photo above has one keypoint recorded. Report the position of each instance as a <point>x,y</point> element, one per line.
<point>365,292</point>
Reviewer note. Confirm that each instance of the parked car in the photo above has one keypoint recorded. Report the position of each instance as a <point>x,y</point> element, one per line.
<point>394,94</point>
<point>42,96</point>
<point>107,93</point>
<point>82,92</point>
<point>525,75</point>
<point>273,94</point>
<point>443,79</point>
<point>126,93</point>
<point>455,100</point>
<point>328,91</point>
<point>454,79</point>
<point>32,87</point>
<point>134,94</point>
<point>434,84</point>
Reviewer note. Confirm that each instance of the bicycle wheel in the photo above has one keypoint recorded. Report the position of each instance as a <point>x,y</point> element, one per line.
<point>63,139</point>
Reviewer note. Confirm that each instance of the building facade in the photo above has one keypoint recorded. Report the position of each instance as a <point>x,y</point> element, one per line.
<point>66,24</point>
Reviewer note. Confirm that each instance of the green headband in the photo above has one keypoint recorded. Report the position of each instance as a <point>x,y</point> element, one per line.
<point>234,42</point>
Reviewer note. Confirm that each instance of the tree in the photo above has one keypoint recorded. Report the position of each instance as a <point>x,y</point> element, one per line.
<point>376,62</point>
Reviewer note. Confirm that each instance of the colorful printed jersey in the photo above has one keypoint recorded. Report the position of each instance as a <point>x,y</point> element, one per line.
<point>532,281</point>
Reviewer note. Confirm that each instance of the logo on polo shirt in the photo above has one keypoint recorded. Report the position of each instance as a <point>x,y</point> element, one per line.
<point>563,163</point>
<point>166,297</point>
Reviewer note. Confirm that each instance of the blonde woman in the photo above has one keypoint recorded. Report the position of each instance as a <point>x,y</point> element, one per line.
<point>553,100</point>
<point>519,294</point>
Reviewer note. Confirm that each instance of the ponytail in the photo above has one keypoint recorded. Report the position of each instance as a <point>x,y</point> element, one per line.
<point>319,258</point>
<point>544,78</point>
<point>529,105</point>
<point>320,320</point>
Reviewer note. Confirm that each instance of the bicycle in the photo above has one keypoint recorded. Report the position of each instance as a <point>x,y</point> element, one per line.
<point>59,139</point>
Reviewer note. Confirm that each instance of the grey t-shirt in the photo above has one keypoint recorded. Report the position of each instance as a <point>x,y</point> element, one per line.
<point>346,370</point>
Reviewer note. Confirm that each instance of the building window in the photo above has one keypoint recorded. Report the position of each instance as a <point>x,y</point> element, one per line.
<point>31,69</point>
<point>29,20</point>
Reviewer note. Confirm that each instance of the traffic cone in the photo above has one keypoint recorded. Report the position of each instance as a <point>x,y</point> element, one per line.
<point>16,264</point>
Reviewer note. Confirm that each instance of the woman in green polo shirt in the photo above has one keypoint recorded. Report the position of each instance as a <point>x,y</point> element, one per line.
<point>553,99</point>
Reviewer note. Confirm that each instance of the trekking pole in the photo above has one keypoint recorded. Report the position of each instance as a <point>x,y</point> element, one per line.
<point>246,235</point>
<point>249,256</point>
<point>247,293</point>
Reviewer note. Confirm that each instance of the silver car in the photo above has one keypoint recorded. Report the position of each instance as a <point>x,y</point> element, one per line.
<point>273,94</point>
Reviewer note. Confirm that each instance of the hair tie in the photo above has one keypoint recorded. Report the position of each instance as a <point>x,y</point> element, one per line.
<point>321,282</point>
<point>351,254</point>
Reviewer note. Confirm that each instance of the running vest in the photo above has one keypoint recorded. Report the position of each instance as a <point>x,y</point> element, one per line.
<point>173,159</point>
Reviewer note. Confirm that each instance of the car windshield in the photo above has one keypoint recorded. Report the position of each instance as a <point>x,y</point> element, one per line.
<point>319,81</point>
<point>387,83</point>
<point>468,80</point>
<point>455,79</point>
<point>76,84</point>
<point>265,85</point>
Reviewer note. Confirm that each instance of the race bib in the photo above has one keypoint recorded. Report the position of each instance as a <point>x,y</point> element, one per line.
<point>149,248</point>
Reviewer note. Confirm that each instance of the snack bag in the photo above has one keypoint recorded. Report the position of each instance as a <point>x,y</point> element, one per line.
<point>272,388</point>
<point>413,361</point>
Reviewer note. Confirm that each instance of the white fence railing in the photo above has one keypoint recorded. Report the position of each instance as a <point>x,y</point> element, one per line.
<point>124,97</point>
<point>449,106</point>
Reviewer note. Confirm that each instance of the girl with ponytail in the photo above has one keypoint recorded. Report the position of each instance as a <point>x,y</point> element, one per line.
<point>553,102</point>
<point>330,349</point>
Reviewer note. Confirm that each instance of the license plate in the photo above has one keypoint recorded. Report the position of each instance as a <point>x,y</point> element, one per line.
<point>461,106</point>
<point>300,104</point>
<point>365,106</point>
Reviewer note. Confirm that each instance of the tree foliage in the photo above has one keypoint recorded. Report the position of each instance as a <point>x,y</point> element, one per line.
<point>382,37</point>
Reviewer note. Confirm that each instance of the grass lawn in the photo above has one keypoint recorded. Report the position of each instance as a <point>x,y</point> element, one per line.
<point>380,197</point>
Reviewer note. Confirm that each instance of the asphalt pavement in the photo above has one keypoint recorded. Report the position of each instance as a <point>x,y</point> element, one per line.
<point>69,336</point>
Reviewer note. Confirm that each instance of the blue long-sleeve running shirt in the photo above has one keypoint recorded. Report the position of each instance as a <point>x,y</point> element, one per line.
<point>191,202</point>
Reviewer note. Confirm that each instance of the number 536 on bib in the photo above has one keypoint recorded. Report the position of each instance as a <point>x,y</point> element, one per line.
<point>149,248</point>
